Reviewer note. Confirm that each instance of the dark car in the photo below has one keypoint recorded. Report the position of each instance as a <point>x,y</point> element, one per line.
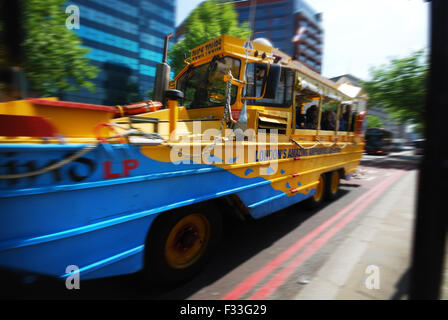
<point>397,146</point>
<point>419,146</point>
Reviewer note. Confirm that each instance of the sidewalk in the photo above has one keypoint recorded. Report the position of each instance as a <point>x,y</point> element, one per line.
<point>379,246</point>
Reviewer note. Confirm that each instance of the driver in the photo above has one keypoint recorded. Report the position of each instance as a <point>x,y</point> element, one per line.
<point>260,73</point>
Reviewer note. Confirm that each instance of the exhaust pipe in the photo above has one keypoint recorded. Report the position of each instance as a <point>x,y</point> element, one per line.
<point>162,78</point>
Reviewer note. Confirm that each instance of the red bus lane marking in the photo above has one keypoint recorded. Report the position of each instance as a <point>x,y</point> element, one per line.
<point>259,275</point>
<point>249,283</point>
<point>266,290</point>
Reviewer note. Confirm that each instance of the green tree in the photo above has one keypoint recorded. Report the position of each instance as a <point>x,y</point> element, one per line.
<point>54,60</point>
<point>374,122</point>
<point>399,87</point>
<point>209,20</point>
<point>149,94</point>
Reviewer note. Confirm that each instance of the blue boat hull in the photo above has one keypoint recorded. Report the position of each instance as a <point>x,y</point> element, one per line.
<point>96,212</point>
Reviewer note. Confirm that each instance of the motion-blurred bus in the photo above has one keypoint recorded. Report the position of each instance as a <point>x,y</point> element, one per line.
<point>378,141</point>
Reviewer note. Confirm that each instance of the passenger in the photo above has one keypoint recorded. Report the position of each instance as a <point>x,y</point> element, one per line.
<point>352,125</point>
<point>312,117</point>
<point>260,73</point>
<point>343,122</point>
<point>324,120</point>
<point>259,80</point>
<point>300,118</point>
<point>329,120</point>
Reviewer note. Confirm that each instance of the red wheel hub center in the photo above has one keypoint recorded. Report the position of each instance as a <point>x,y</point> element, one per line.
<point>186,238</point>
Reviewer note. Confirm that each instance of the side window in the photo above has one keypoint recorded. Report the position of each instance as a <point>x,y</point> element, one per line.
<point>286,88</point>
<point>329,116</point>
<point>256,76</point>
<point>191,84</point>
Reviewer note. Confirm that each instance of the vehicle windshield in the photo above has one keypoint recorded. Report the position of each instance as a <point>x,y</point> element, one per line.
<point>204,86</point>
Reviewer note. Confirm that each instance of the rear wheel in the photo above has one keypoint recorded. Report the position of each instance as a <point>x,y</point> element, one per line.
<point>181,242</point>
<point>333,179</point>
<point>316,200</point>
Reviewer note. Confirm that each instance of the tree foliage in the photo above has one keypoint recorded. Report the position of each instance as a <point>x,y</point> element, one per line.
<point>209,20</point>
<point>374,122</point>
<point>399,87</point>
<point>54,60</point>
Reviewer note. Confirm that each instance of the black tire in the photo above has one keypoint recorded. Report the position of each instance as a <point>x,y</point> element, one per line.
<point>175,235</point>
<point>318,198</point>
<point>332,186</point>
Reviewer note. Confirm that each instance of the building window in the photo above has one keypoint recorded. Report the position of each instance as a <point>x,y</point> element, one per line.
<point>280,10</point>
<point>104,56</point>
<point>244,15</point>
<point>260,13</point>
<point>277,22</point>
<point>151,55</point>
<point>106,38</point>
<point>119,6</point>
<point>147,70</point>
<point>108,20</point>
<point>159,11</point>
<point>261,34</point>
<point>260,24</point>
<point>278,34</point>
<point>152,40</point>
<point>160,27</point>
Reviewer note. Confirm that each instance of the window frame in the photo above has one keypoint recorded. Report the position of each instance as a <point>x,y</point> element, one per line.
<point>215,58</point>
<point>286,103</point>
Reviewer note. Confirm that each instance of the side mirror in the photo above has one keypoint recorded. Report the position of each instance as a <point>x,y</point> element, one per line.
<point>173,94</point>
<point>272,81</point>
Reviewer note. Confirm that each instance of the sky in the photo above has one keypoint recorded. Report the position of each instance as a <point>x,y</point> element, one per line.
<point>359,34</point>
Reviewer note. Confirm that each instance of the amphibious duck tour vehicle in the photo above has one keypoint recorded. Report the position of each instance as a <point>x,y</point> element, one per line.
<point>243,129</point>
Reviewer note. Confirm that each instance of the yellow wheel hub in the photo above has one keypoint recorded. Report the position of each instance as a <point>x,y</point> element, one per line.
<point>334,182</point>
<point>187,241</point>
<point>319,190</point>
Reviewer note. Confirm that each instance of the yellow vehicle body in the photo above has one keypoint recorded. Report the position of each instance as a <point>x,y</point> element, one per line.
<point>302,156</point>
<point>151,180</point>
<point>319,151</point>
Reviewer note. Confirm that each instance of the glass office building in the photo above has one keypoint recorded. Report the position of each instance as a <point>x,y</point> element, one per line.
<point>281,21</point>
<point>126,40</point>
<point>271,20</point>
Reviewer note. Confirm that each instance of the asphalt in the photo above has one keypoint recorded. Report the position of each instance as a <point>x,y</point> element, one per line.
<point>373,262</point>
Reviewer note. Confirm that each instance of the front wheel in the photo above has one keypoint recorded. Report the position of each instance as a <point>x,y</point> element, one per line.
<point>181,242</point>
